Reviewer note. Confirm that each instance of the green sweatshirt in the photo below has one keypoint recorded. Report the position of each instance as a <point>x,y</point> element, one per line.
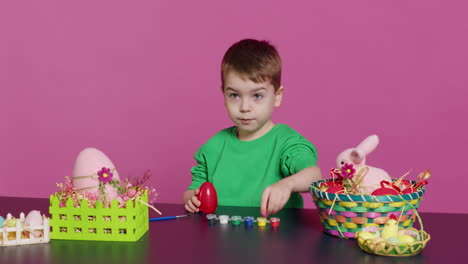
<point>241,170</point>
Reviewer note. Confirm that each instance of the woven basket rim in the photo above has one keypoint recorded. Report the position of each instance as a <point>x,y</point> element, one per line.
<point>313,189</point>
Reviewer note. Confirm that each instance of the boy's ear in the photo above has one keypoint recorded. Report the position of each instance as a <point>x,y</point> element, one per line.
<point>222,92</point>
<point>279,96</point>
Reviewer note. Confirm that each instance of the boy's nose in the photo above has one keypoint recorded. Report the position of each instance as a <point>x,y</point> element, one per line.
<point>244,106</point>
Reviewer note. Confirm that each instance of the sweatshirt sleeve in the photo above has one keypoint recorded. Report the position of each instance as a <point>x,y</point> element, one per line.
<point>200,171</point>
<point>297,154</point>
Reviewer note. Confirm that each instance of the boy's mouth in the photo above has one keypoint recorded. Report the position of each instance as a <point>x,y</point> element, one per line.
<point>245,121</point>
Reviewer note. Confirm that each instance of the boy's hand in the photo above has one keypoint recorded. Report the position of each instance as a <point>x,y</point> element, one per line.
<point>274,197</point>
<point>192,203</point>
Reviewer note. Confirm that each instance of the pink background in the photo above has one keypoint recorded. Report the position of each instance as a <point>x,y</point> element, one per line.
<point>139,80</point>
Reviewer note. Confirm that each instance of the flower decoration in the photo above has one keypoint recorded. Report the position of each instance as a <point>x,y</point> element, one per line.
<point>347,171</point>
<point>127,190</point>
<point>105,175</point>
<point>345,180</point>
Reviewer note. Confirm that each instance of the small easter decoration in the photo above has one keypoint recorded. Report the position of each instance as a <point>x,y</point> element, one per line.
<point>354,160</point>
<point>361,199</point>
<point>392,240</point>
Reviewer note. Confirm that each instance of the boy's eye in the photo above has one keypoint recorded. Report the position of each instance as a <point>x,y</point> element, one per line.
<point>258,96</point>
<point>233,96</point>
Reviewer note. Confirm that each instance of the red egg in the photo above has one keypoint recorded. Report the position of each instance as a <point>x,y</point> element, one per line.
<point>385,191</point>
<point>208,198</point>
<point>332,186</point>
<point>335,189</point>
<point>406,184</point>
<point>332,183</point>
<point>408,190</point>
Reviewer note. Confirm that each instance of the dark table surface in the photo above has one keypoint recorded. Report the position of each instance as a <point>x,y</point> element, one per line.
<point>299,239</point>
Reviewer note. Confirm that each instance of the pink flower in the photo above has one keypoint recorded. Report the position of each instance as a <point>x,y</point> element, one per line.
<point>124,197</point>
<point>131,192</point>
<point>347,171</point>
<point>105,175</point>
<point>91,196</point>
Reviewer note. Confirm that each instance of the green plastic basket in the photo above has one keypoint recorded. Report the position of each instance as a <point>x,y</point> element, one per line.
<point>343,215</point>
<point>100,224</point>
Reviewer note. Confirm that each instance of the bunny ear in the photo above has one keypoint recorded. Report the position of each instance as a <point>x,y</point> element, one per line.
<point>369,144</point>
<point>357,156</point>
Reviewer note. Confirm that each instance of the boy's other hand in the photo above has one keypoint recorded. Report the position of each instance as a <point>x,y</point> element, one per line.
<point>274,197</point>
<point>192,204</point>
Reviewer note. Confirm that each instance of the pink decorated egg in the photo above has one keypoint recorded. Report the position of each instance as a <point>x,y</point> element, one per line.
<point>34,219</point>
<point>89,163</point>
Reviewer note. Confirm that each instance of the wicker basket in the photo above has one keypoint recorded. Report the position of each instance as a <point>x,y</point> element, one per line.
<point>98,223</point>
<point>387,248</point>
<point>343,215</point>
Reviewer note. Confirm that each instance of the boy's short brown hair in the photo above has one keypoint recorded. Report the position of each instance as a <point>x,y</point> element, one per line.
<point>256,60</point>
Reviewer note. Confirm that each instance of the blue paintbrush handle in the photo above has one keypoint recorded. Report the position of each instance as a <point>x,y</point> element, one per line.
<point>166,218</point>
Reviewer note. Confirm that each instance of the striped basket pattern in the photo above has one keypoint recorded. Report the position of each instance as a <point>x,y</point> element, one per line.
<point>343,215</point>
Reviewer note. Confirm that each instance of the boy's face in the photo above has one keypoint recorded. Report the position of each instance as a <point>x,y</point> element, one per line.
<point>250,105</point>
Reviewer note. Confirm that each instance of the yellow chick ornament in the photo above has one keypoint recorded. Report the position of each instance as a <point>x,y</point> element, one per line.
<point>390,229</point>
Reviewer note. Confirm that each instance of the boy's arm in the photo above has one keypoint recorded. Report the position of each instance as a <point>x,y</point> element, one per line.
<point>199,176</point>
<point>200,171</point>
<point>275,196</point>
<point>300,181</point>
<point>298,159</point>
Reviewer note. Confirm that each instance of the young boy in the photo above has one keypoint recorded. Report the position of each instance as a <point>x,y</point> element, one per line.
<point>255,162</point>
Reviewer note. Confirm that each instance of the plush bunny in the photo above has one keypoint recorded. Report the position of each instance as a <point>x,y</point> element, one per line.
<point>357,157</point>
